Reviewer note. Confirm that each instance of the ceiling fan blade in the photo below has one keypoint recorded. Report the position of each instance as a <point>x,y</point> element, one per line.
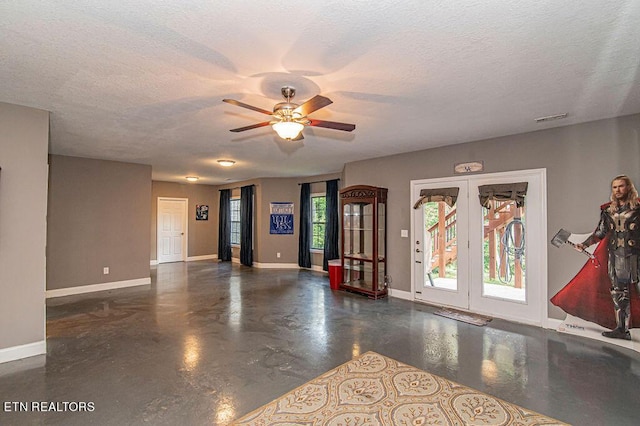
<point>313,104</point>
<point>332,125</point>
<point>253,126</point>
<point>243,105</point>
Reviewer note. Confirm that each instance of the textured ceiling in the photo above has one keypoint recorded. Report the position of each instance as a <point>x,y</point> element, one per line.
<point>143,81</point>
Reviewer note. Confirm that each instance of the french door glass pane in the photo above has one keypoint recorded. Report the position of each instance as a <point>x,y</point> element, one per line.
<point>440,246</point>
<point>503,248</point>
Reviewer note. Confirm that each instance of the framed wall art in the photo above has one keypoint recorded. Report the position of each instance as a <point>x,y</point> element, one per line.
<point>202,212</point>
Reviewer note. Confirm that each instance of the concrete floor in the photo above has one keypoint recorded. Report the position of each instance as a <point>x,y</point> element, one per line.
<point>208,342</point>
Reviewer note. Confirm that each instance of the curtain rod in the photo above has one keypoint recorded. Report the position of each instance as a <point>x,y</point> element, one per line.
<point>237,187</point>
<point>317,181</point>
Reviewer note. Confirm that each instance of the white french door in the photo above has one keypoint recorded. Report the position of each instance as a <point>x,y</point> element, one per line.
<point>441,251</point>
<point>490,261</point>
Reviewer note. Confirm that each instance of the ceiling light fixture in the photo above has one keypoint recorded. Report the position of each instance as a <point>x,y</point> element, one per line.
<point>192,178</point>
<point>226,163</point>
<point>288,129</point>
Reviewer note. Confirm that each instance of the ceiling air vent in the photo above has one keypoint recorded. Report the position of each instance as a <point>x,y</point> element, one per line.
<point>551,118</point>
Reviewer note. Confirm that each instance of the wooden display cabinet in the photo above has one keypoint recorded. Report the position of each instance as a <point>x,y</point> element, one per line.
<point>364,240</point>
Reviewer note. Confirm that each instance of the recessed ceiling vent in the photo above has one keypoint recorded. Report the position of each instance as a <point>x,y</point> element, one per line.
<point>551,118</point>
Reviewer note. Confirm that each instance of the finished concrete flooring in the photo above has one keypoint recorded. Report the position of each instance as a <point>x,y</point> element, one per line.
<point>206,343</point>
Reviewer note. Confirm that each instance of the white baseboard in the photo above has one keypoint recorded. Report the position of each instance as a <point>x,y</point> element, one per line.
<point>553,324</point>
<point>23,351</point>
<point>400,294</point>
<point>315,268</point>
<point>276,265</point>
<point>96,287</point>
<point>154,262</point>
<point>203,257</point>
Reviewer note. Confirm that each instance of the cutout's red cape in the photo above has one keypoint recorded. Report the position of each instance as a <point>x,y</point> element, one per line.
<point>588,296</point>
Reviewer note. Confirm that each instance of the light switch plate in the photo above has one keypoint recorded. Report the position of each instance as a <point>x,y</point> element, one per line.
<point>404,233</point>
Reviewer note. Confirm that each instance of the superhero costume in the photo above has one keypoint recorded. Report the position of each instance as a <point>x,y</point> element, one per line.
<point>585,295</point>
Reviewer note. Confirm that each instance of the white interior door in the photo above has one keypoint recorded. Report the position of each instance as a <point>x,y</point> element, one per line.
<point>471,265</point>
<point>172,229</point>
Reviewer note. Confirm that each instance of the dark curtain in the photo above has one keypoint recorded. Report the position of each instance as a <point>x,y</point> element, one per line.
<point>331,250</point>
<point>304,240</point>
<point>246,225</point>
<point>224,226</point>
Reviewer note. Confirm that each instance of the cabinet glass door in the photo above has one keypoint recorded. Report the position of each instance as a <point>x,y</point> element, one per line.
<point>363,240</point>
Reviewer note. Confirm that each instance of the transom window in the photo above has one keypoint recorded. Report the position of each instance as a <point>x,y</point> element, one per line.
<point>318,220</point>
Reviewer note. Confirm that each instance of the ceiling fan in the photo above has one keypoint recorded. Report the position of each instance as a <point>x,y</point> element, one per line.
<point>288,119</point>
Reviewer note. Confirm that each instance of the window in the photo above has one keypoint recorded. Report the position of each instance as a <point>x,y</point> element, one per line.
<point>235,221</point>
<point>318,220</point>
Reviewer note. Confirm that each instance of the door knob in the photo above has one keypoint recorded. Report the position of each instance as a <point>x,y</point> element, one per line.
<point>418,250</point>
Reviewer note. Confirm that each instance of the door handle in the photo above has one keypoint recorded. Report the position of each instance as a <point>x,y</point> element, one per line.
<point>418,251</point>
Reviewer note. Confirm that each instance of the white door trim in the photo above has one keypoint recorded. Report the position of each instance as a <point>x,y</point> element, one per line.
<point>185,240</point>
<point>541,259</point>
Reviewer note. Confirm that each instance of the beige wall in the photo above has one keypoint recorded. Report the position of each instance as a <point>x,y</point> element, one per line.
<point>203,234</point>
<point>580,160</point>
<point>99,216</point>
<point>24,138</point>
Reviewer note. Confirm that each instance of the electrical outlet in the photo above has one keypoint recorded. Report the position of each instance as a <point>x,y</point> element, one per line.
<point>278,255</point>
<point>105,270</point>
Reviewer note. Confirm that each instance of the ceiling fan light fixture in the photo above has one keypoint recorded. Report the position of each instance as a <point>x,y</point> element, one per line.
<point>226,163</point>
<point>287,130</point>
<point>192,178</point>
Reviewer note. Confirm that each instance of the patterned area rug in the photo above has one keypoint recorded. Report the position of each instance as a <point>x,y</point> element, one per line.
<point>375,390</point>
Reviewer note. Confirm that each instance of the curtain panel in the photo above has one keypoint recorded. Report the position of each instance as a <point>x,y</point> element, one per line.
<point>331,250</point>
<point>224,226</point>
<point>246,225</point>
<point>304,240</point>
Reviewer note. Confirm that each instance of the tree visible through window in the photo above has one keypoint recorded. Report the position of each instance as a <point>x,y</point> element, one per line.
<point>318,220</point>
<point>235,221</point>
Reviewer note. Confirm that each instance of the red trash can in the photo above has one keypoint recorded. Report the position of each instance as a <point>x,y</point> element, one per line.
<point>335,274</point>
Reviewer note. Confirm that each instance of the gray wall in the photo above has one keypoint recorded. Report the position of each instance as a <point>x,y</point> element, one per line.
<point>99,215</point>
<point>23,205</point>
<point>203,234</point>
<point>268,246</point>
<point>268,190</point>
<point>580,160</point>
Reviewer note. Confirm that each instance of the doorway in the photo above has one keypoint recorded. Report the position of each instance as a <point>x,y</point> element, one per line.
<point>488,259</point>
<point>172,229</point>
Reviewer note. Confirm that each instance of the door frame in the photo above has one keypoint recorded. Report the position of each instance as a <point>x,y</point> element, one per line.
<point>541,255</point>
<point>185,223</point>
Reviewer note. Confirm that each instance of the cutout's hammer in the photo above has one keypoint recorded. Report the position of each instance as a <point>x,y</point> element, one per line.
<point>562,237</point>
